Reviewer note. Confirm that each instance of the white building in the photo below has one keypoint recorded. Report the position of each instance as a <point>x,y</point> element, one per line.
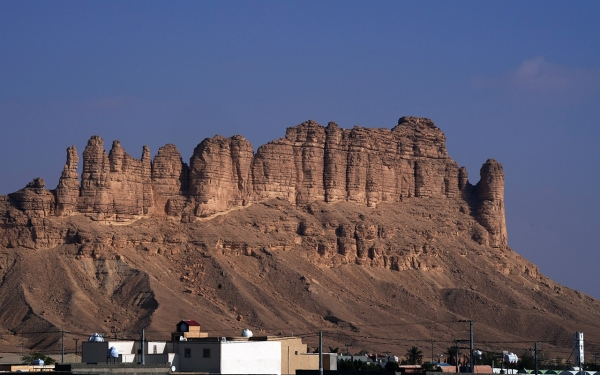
<point>228,356</point>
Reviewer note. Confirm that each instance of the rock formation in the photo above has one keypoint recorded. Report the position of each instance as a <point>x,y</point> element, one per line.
<point>67,190</point>
<point>490,203</point>
<point>33,200</point>
<point>364,233</point>
<point>311,163</point>
<point>169,172</point>
<point>117,186</point>
<point>220,174</point>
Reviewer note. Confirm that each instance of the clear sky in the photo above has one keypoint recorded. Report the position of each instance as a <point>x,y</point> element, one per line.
<point>515,81</point>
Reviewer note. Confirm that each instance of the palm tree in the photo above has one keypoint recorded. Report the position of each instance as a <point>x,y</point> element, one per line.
<point>451,355</point>
<point>414,356</point>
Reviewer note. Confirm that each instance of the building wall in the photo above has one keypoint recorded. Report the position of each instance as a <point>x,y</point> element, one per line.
<point>196,361</point>
<point>124,347</point>
<point>251,357</point>
<point>294,356</point>
<point>229,357</point>
<point>161,347</point>
<point>94,352</point>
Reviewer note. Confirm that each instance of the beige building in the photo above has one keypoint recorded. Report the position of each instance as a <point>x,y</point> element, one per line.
<point>295,356</point>
<point>187,329</point>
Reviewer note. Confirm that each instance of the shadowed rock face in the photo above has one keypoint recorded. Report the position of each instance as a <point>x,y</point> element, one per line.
<point>169,172</point>
<point>311,163</point>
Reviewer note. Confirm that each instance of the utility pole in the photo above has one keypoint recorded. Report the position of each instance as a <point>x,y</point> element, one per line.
<point>456,345</point>
<point>76,344</point>
<point>535,352</point>
<point>143,348</point>
<point>320,352</point>
<point>115,331</point>
<point>471,359</point>
<point>432,341</point>
<point>63,346</point>
<point>471,367</point>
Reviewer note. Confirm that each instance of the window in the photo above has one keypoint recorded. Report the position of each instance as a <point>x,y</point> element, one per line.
<point>188,353</point>
<point>205,353</point>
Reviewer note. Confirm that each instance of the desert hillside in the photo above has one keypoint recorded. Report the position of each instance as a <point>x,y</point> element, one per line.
<point>374,236</point>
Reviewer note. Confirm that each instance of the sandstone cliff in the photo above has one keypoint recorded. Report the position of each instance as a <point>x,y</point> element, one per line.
<point>363,233</point>
<point>311,163</point>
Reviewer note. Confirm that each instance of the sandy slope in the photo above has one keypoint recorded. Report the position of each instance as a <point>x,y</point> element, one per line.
<point>278,269</point>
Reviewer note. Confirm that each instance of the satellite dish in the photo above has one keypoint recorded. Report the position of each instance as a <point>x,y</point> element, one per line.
<point>511,358</point>
<point>113,352</point>
<point>38,362</point>
<point>247,333</point>
<point>96,338</point>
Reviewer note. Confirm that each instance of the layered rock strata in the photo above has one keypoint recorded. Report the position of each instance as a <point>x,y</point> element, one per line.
<point>114,186</point>
<point>311,163</point>
<point>220,174</point>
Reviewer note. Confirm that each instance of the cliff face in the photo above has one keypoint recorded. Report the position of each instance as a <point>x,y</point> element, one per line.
<point>311,163</point>
<point>354,231</point>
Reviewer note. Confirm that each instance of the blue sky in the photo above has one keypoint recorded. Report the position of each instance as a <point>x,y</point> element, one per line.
<point>515,81</point>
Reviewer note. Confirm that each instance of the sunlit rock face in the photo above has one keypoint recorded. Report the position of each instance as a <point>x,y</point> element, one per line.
<point>312,163</point>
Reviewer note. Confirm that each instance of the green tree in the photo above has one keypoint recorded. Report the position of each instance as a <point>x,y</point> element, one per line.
<point>451,355</point>
<point>357,365</point>
<point>492,359</point>
<point>527,361</point>
<point>414,356</point>
<point>431,367</point>
<point>392,366</point>
<point>345,364</point>
<point>591,366</point>
<point>366,366</point>
<point>29,359</point>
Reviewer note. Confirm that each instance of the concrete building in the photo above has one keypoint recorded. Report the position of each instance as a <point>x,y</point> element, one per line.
<point>96,350</point>
<point>228,356</point>
<point>193,351</point>
<point>248,355</point>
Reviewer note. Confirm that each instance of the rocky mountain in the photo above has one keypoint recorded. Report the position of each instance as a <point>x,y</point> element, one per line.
<point>375,236</point>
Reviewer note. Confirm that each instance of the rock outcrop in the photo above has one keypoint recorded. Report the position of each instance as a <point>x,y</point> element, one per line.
<point>33,200</point>
<point>67,191</point>
<point>311,163</point>
<point>220,174</point>
<point>114,186</point>
<point>490,202</point>
<point>169,172</point>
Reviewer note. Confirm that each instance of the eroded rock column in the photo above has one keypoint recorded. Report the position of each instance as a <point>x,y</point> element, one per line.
<point>490,211</point>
